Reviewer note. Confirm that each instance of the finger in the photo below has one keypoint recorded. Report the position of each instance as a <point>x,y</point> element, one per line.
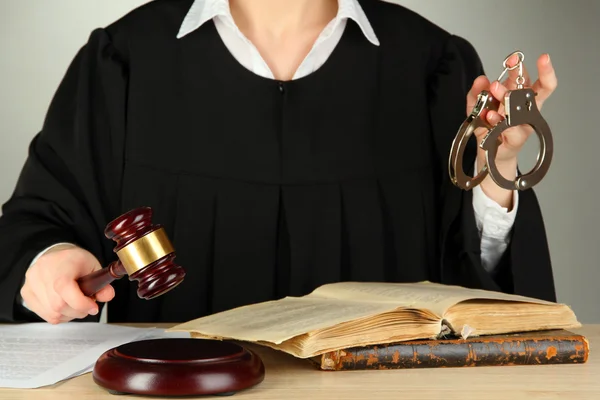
<point>547,81</point>
<point>494,118</point>
<point>55,306</point>
<point>479,84</point>
<point>511,82</point>
<point>69,291</point>
<point>59,305</point>
<point>498,90</point>
<point>29,297</point>
<point>37,306</point>
<point>37,289</point>
<point>51,302</point>
<point>105,294</point>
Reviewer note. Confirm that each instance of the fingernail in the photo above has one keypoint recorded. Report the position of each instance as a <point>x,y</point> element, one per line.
<point>547,58</point>
<point>93,311</point>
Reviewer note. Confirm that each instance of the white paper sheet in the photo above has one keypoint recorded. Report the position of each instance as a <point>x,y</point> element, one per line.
<point>40,354</point>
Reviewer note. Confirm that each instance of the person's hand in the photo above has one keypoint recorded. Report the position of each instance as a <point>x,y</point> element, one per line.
<point>51,290</point>
<point>513,138</point>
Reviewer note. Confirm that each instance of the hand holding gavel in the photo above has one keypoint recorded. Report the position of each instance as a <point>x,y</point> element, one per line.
<point>59,286</point>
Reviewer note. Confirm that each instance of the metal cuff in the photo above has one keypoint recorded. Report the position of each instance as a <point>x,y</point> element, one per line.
<point>521,109</point>
<point>477,119</point>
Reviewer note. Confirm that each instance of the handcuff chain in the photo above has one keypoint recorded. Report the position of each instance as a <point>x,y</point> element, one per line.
<point>520,60</point>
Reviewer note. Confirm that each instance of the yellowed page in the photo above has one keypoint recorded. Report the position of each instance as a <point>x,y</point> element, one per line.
<point>330,305</point>
<point>277,321</point>
<point>482,317</point>
<point>421,295</point>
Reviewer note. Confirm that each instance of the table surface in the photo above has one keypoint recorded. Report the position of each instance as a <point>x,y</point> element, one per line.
<point>290,378</point>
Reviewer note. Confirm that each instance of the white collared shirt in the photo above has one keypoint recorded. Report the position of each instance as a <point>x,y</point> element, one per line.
<point>247,54</point>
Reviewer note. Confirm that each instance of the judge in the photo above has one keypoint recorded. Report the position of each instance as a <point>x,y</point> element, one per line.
<point>283,145</point>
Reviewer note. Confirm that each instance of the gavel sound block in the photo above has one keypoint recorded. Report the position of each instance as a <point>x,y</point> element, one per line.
<point>163,367</point>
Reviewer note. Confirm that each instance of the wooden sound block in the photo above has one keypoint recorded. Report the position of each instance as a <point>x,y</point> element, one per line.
<point>178,367</point>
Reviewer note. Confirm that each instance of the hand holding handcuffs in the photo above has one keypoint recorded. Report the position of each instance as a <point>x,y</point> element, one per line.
<point>521,109</point>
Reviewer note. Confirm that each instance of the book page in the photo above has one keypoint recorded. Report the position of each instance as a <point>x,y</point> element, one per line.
<point>278,321</point>
<point>422,295</point>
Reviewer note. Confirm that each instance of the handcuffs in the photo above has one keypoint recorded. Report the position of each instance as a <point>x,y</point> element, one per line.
<point>520,109</point>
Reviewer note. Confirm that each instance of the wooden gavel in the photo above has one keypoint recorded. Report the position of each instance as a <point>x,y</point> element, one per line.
<point>145,254</point>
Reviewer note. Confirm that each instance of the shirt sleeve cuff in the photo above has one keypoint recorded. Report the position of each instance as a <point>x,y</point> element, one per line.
<point>493,220</point>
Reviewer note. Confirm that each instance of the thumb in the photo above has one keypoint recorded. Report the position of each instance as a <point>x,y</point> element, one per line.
<point>84,263</point>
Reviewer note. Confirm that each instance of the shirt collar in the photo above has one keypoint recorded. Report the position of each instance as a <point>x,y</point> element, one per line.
<point>202,11</point>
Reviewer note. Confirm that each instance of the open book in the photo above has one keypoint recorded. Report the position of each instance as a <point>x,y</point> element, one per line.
<point>349,314</point>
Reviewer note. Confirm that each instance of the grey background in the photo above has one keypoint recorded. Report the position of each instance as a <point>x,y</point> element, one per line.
<point>38,40</point>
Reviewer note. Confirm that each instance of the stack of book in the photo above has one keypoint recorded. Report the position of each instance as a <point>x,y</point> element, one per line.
<point>368,325</point>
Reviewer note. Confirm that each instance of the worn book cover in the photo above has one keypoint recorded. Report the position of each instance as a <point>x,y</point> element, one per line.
<point>531,348</point>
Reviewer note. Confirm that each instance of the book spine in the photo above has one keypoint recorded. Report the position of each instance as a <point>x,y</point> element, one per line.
<point>471,353</point>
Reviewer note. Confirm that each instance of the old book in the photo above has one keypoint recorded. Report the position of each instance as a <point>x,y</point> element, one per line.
<point>530,348</point>
<point>351,314</point>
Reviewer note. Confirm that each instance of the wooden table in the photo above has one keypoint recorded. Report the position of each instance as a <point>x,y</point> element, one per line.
<point>288,378</point>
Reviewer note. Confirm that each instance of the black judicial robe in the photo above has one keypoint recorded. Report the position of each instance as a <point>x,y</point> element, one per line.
<point>266,188</point>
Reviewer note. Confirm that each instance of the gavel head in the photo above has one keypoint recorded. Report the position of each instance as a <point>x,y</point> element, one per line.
<point>145,252</point>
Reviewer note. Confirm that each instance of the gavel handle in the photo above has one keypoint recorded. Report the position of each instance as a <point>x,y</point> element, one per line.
<point>92,283</point>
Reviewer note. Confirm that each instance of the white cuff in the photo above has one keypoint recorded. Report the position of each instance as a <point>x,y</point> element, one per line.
<point>493,220</point>
<point>494,224</point>
<point>47,249</point>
